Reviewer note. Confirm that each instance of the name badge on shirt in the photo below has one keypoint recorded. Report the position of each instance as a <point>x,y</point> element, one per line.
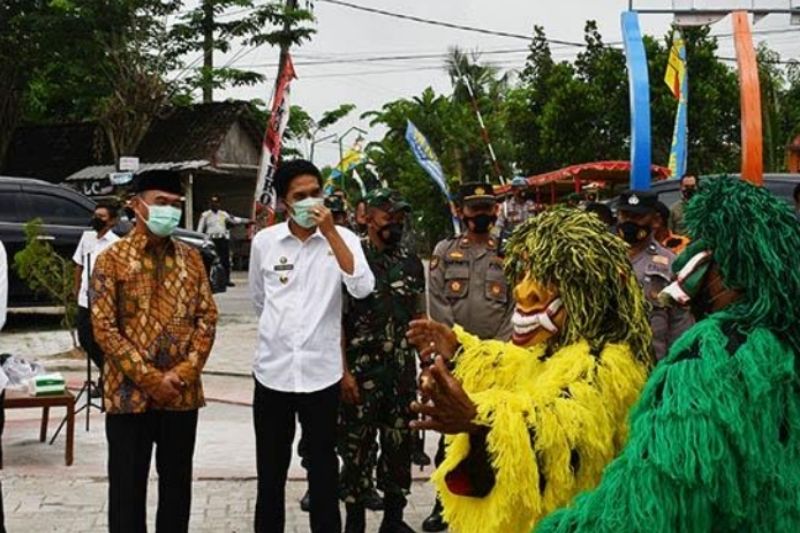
<point>283,268</point>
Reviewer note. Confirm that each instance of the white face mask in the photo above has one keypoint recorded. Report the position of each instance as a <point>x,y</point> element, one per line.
<point>527,324</point>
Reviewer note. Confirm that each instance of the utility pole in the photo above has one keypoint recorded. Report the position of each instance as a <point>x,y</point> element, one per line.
<point>208,50</point>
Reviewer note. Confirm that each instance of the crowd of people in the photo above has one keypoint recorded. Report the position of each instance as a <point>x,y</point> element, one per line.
<point>539,330</point>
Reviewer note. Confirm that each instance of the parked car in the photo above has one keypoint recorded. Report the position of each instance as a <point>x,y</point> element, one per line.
<point>781,185</point>
<point>65,214</point>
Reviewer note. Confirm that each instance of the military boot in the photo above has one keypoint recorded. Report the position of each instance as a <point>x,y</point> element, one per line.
<point>393,505</point>
<point>435,522</point>
<point>356,521</point>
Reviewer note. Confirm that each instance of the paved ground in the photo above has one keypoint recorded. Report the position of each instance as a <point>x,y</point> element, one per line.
<point>41,494</point>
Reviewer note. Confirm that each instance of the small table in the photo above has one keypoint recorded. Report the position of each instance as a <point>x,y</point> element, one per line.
<point>20,400</point>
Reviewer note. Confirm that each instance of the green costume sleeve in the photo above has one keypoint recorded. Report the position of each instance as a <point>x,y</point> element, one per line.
<point>553,423</point>
<point>713,444</point>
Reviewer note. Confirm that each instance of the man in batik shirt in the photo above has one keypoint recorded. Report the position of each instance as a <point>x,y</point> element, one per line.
<point>154,317</point>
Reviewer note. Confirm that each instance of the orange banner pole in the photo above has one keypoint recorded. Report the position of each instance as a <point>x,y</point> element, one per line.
<point>752,137</point>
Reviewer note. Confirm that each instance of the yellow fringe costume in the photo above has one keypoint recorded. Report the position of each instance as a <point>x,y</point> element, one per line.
<point>545,415</point>
<point>553,414</point>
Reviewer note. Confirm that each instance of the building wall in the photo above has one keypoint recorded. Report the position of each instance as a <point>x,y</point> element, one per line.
<point>237,148</point>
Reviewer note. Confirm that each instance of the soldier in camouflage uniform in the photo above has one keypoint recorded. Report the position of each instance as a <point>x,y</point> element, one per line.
<point>380,377</point>
<point>652,264</point>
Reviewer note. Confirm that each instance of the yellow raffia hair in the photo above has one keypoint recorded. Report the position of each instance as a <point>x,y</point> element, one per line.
<point>574,251</point>
<point>576,403</point>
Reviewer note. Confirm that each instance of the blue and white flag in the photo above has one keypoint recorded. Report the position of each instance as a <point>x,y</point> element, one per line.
<point>427,159</point>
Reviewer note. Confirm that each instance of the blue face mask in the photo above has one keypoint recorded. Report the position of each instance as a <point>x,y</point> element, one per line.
<point>163,219</point>
<point>301,211</point>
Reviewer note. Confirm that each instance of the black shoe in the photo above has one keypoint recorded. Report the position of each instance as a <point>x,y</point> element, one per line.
<point>395,527</point>
<point>434,522</point>
<point>231,284</point>
<point>420,458</point>
<point>305,502</point>
<point>355,519</point>
<point>373,501</point>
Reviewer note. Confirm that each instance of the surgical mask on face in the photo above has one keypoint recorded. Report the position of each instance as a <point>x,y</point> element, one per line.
<point>163,219</point>
<point>301,211</point>
<point>480,223</point>
<point>97,224</point>
<point>391,233</point>
<point>632,233</point>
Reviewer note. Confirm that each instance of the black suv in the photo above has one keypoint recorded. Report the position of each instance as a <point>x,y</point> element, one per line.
<point>65,214</point>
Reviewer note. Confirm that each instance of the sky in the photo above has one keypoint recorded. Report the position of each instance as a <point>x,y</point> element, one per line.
<point>344,35</point>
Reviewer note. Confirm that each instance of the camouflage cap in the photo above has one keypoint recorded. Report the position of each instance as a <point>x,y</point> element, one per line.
<point>386,199</point>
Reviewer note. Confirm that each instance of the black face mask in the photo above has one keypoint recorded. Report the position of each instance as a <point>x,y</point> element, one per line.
<point>689,192</point>
<point>97,224</point>
<point>480,223</point>
<point>632,233</point>
<point>391,233</point>
<point>129,212</point>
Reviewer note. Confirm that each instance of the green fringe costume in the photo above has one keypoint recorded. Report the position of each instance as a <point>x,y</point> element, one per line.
<point>714,442</point>
<point>554,413</point>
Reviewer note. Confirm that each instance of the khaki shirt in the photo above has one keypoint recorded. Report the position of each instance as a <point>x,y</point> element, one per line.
<point>653,269</point>
<point>468,287</point>
<point>676,223</point>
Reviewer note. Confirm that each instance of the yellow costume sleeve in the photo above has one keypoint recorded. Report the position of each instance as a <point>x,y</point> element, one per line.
<point>553,425</point>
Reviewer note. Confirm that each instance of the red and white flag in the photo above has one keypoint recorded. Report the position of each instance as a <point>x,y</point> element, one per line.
<point>265,199</point>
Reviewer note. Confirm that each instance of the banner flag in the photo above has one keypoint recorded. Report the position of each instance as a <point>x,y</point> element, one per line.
<point>639,90</point>
<point>427,160</point>
<point>265,200</point>
<point>677,79</point>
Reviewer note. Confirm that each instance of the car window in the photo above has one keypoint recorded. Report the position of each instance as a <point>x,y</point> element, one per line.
<point>58,210</point>
<point>9,211</point>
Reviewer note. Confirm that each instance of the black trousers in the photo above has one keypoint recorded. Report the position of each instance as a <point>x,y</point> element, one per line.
<point>274,416</point>
<point>86,337</point>
<point>130,447</point>
<point>223,247</point>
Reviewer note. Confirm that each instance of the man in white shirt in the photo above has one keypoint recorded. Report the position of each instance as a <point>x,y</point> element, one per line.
<point>92,243</point>
<point>297,269</point>
<point>216,224</point>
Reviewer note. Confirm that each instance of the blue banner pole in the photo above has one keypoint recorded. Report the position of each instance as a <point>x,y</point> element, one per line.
<point>639,87</point>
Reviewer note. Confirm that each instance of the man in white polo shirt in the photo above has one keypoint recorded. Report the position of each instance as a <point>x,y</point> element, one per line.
<point>297,269</point>
<point>92,243</point>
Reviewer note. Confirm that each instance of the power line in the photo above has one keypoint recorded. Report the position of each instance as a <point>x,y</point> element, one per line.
<point>446,24</point>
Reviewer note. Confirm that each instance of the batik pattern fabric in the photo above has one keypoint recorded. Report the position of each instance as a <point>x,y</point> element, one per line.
<point>151,313</point>
<point>552,422</point>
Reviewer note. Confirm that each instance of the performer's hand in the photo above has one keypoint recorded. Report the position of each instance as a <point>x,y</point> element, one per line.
<point>349,389</point>
<point>323,218</point>
<point>432,338</point>
<point>450,409</point>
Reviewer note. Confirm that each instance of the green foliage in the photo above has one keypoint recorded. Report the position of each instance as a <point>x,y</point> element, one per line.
<point>248,24</point>
<point>47,273</point>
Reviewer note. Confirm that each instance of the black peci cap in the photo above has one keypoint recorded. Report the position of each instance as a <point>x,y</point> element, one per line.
<point>158,180</point>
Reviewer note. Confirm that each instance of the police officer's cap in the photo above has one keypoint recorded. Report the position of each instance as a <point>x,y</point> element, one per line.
<point>476,193</point>
<point>639,202</point>
<point>519,181</point>
<point>386,200</point>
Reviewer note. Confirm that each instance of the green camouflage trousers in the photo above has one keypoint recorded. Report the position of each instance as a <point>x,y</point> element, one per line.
<point>384,412</point>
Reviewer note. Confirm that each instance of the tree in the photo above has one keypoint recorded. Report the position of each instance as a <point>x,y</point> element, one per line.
<point>208,29</point>
<point>48,273</point>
